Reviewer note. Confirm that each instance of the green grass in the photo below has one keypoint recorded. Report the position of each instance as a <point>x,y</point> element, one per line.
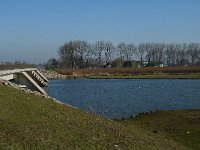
<point>33,122</point>
<point>183,126</point>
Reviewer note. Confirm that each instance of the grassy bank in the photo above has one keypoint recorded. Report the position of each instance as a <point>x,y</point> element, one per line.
<point>33,122</point>
<point>149,76</point>
<point>183,126</point>
<point>136,73</point>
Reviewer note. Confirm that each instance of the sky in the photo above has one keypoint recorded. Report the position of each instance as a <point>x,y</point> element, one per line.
<point>33,30</point>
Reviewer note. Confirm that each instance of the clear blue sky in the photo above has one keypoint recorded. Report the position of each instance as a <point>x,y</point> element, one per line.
<point>33,30</point>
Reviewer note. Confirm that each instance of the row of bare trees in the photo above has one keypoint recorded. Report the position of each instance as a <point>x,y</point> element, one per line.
<point>82,54</point>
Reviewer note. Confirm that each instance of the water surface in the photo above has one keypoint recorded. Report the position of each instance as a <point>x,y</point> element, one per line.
<point>123,98</point>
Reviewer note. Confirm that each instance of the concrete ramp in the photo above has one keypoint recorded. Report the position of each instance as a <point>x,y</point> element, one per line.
<point>31,78</point>
<point>7,77</point>
<point>34,83</point>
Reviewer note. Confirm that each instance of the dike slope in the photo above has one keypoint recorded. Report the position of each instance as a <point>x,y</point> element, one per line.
<point>28,121</point>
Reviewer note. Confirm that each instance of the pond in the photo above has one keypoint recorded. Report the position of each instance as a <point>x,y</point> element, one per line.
<point>125,98</point>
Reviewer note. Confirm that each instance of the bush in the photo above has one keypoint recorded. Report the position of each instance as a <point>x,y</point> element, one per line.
<point>117,63</point>
<point>130,64</point>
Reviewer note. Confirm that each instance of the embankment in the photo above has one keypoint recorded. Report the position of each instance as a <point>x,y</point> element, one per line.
<point>30,121</point>
<point>136,73</point>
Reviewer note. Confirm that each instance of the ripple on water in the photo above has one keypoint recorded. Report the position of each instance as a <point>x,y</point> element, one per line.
<point>123,98</point>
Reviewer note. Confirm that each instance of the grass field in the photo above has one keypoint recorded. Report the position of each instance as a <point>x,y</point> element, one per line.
<point>183,126</point>
<point>33,122</point>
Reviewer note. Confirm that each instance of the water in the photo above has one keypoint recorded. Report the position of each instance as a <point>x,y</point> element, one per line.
<point>123,98</point>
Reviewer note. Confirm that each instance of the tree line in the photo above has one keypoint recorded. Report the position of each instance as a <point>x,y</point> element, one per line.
<point>82,54</point>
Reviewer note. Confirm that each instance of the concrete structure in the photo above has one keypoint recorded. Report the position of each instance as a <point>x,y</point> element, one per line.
<point>30,78</point>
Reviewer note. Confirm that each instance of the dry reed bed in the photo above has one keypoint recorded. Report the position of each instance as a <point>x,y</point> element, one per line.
<point>129,71</point>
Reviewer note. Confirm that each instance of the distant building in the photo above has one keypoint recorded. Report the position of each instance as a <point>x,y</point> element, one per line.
<point>161,65</point>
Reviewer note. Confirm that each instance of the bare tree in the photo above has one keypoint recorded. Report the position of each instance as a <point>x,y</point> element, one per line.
<point>183,54</point>
<point>141,51</point>
<point>170,54</point>
<point>88,55</point>
<point>121,50</point>
<point>81,49</point>
<point>193,52</point>
<point>98,49</point>
<point>79,54</point>
<point>108,48</point>
<point>66,53</point>
<point>149,52</point>
<point>126,51</point>
<point>52,64</point>
<point>129,51</point>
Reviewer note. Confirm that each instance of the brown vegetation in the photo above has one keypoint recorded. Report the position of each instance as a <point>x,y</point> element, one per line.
<point>130,71</point>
